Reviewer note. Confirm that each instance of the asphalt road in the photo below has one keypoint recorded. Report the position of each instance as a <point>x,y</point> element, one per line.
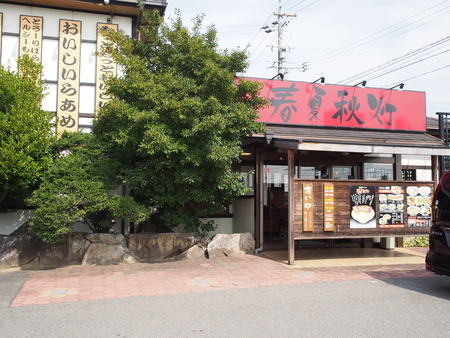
<point>402,307</point>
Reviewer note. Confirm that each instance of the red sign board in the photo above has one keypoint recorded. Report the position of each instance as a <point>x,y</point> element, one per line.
<point>313,104</point>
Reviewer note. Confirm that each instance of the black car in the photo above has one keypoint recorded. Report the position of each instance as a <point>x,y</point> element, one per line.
<point>438,255</point>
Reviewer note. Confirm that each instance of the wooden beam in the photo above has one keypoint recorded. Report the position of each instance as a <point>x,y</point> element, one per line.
<point>371,149</point>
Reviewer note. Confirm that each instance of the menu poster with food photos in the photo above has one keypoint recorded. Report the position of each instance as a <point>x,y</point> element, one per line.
<point>418,206</point>
<point>362,207</point>
<point>391,207</point>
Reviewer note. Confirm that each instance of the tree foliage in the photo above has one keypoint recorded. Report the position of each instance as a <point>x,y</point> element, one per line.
<point>177,118</point>
<point>25,129</point>
<point>76,188</point>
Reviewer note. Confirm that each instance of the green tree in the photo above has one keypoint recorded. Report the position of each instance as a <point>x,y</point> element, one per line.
<point>25,130</point>
<point>76,188</point>
<point>177,119</point>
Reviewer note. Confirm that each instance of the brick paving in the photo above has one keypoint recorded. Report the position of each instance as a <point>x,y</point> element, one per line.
<point>79,283</point>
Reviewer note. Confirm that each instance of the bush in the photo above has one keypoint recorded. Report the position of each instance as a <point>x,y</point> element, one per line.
<point>422,241</point>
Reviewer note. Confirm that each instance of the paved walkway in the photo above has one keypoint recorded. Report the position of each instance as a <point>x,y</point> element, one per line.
<point>79,283</point>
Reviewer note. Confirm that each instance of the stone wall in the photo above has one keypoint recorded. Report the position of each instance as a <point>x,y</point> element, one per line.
<point>27,250</point>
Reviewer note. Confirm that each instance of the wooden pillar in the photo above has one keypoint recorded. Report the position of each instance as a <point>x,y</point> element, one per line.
<point>291,241</point>
<point>398,168</point>
<point>258,198</point>
<point>434,172</point>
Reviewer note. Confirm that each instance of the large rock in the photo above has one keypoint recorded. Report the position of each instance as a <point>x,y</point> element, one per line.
<point>106,254</point>
<point>148,246</point>
<point>194,253</point>
<point>227,245</point>
<point>68,252</point>
<point>18,250</point>
<point>107,239</point>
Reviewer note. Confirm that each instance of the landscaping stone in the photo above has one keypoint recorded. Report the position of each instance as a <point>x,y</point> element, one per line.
<point>106,254</point>
<point>66,253</point>
<point>107,239</point>
<point>227,245</point>
<point>18,250</point>
<point>149,246</point>
<point>194,253</point>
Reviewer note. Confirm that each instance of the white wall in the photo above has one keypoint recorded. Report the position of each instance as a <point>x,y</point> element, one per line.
<point>11,221</point>
<point>244,215</point>
<point>419,160</point>
<point>10,48</point>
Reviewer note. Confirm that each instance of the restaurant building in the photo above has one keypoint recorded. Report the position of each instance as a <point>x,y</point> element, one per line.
<point>336,164</point>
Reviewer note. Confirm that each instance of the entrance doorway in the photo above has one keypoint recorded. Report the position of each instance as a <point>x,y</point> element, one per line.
<point>275,203</point>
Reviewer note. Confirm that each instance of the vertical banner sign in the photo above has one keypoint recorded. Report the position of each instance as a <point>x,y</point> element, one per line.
<point>106,68</point>
<point>362,207</point>
<point>68,74</point>
<point>31,37</point>
<point>328,207</point>
<point>391,206</point>
<point>418,202</point>
<point>308,207</point>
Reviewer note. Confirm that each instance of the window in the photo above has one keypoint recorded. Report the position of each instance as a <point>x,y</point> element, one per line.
<point>378,171</point>
<point>409,175</point>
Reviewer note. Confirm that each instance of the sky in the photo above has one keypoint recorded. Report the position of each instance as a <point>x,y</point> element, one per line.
<point>384,42</point>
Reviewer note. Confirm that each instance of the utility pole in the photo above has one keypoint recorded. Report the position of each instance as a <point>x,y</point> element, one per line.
<point>281,23</point>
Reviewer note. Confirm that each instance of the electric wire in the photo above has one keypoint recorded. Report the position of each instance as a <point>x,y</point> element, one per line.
<point>346,49</point>
<point>307,6</point>
<point>368,48</point>
<point>254,50</point>
<point>420,75</point>
<point>404,66</point>
<point>295,5</point>
<point>415,53</point>
<point>363,51</point>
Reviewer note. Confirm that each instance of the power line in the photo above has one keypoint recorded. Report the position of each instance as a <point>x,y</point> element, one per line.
<point>426,73</point>
<point>306,6</point>
<point>295,5</point>
<point>410,64</point>
<point>400,59</point>
<point>280,26</point>
<point>372,47</point>
<point>357,44</point>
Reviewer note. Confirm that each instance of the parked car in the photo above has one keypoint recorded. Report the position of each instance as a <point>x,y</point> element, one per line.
<point>438,255</point>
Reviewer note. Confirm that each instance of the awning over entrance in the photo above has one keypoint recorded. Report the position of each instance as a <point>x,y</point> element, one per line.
<point>356,141</point>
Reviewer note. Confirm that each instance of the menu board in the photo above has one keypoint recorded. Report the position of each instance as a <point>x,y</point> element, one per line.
<point>362,207</point>
<point>418,206</point>
<point>391,207</point>
<point>328,207</point>
<point>308,207</point>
